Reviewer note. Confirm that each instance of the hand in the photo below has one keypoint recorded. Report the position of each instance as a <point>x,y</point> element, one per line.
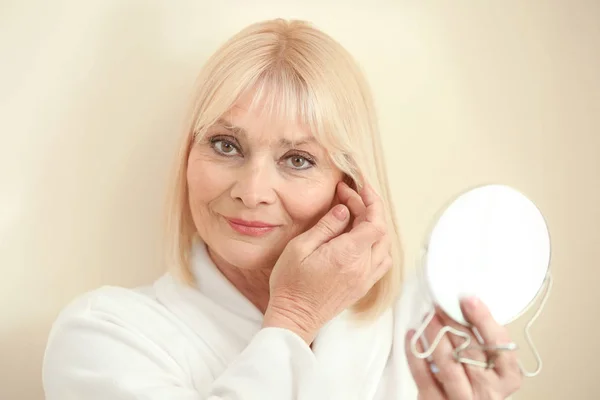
<point>459,381</point>
<point>328,268</point>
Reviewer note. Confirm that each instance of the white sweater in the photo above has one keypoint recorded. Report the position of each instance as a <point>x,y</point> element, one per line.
<point>174,342</point>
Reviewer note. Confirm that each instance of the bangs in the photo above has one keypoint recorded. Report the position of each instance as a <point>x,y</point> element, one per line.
<point>281,95</point>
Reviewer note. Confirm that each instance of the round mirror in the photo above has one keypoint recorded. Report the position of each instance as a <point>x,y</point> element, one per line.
<point>491,242</point>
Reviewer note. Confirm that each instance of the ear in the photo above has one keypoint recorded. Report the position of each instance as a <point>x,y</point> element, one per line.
<point>349,181</point>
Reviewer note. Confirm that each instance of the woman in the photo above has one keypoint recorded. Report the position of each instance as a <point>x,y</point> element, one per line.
<point>285,260</point>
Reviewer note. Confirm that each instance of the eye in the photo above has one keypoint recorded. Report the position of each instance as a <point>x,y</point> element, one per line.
<point>224,147</point>
<point>299,162</point>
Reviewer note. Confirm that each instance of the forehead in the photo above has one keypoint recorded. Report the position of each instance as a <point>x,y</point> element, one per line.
<point>251,120</point>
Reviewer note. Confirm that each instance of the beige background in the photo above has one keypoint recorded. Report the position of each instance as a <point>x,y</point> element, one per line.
<point>92,95</point>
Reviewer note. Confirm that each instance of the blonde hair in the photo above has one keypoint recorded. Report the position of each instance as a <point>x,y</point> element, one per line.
<point>296,72</point>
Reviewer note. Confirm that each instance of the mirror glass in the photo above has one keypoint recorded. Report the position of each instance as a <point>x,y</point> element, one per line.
<point>491,242</point>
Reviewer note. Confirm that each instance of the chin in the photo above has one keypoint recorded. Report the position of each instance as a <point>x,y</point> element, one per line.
<point>248,255</point>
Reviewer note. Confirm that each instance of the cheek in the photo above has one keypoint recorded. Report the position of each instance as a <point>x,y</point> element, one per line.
<point>205,181</point>
<point>306,204</point>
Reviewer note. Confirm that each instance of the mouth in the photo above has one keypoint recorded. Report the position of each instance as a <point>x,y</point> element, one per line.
<point>250,228</point>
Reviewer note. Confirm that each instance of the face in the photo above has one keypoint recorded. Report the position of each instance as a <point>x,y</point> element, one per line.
<point>254,185</point>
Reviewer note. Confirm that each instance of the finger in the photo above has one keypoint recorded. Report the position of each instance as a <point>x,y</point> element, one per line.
<point>381,269</point>
<point>360,238</point>
<point>452,375</point>
<point>492,333</point>
<point>474,372</point>
<point>372,228</point>
<point>374,206</point>
<point>368,195</point>
<point>328,227</point>
<point>381,250</point>
<point>352,200</point>
<point>427,385</point>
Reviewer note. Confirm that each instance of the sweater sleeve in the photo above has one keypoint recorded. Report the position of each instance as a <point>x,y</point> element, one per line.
<point>90,356</point>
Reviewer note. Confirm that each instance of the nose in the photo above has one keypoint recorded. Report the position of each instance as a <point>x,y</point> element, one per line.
<point>254,185</point>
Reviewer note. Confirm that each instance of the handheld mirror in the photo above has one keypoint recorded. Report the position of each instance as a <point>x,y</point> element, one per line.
<point>491,242</point>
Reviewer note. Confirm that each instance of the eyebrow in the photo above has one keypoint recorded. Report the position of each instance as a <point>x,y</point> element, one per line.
<point>239,131</point>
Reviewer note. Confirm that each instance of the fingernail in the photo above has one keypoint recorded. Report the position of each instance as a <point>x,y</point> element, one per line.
<point>340,212</point>
<point>472,302</point>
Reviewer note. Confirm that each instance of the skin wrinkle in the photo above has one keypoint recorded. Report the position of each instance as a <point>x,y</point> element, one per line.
<point>258,184</point>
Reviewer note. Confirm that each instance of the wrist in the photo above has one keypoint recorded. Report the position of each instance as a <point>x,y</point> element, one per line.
<point>285,318</point>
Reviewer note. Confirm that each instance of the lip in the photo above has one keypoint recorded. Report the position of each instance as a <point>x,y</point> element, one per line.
<point>250,228</point>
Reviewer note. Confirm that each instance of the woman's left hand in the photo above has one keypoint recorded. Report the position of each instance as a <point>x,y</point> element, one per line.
<point>453,380</point>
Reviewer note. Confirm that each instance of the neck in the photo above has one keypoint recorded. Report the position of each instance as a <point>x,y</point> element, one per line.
<point>253,284</point>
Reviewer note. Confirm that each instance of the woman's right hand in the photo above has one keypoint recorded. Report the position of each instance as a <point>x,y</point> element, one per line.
<point>328,268</point>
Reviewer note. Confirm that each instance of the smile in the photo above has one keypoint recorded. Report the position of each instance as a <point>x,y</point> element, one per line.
<point>250,228</point>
